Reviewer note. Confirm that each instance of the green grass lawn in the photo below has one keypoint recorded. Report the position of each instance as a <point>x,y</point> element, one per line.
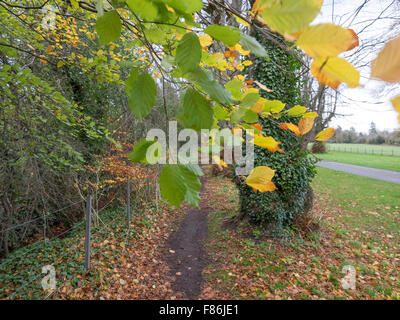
<point>373,149</point>
<point>366,160</point>
<point>360,227</point>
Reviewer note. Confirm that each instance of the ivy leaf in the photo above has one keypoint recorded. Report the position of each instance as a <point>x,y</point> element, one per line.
<point>226,34</point>
<point>145,151</point>
<point>260,179</point>
<point>197,113</point>
<point>108,27</point>
<point>178,183</point>
<point>249,43</point>
<point>188,52</point>
<point>142,92</point>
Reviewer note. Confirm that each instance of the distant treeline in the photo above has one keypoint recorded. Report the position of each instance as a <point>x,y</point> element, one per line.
<point>373,136</point>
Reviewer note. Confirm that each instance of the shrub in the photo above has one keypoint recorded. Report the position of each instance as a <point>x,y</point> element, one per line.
<point>318,147</point>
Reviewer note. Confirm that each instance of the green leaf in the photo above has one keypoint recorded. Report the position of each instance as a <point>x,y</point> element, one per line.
<point>297,111</point>
<point>188,52</point>
<point>220,113</point>
<point>195,168</point>
<point>250,116</point>
<point>249,43</point>
<point>213,88</point>
<point>197,113</point>
<point>178,183</point>
<point>145,151</point>
<point>273,106</point>
<point>186,6</point>
<point>108,27</point>
<point>226,34</point>
<point>288,16</point>
<point>234,86</point>
<point>142,92</point>
<point>250,99</point>
<point>144,8</point>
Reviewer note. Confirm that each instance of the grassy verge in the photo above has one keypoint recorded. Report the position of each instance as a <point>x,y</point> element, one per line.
<point>366,160</point>
<point>360,227</point>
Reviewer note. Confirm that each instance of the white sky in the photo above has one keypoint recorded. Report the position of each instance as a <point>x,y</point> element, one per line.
<point>371,102</point>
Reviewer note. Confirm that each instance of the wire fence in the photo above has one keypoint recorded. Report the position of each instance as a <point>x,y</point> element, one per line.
<point>35,282</point>
<point>365,149</point>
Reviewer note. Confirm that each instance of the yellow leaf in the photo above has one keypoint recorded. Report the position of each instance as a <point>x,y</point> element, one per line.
<point>260,179</point>
<point>262,86</point>
<point>327,39</point>
<point>247,63</point>
<point>396,105</point>
<point>266,142</point>
<point>240,20</point>
<point>325,134</point>
<point>292,127</point>
<point>122,244</point>
<point>387,65</point>
<point>258,107</point>
<point>257,126</point>
<point>332,71</point>
<point>205,40</point>
<point>305,125</point>
<point>310,115</point>
<point>289,16</point>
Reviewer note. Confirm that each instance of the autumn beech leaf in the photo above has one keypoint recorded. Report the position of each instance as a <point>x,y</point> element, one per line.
<point>288,16</point>
<point>205,40</point>
<point>297,111</point>
<point>325,134</point>
<point>305,125</point>
<point>332,71</point>
<point>257,126</point>
<point>267,142</point>
<point>292,127</point>
<point>387,65</point>
<point>396,105</point>
<point>258,107</point>
<point>310,115</point>
<point>273,106</point>
<point>262,86</point>
<point>260,179</point>
<point>323,40</point>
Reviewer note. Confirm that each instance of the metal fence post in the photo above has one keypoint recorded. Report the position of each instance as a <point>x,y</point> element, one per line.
<point>88,231</point>
<point>128,203</point>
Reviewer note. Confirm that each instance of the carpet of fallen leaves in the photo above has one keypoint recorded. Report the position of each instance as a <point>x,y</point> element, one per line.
<point>129,267</point>
<point>244,265</point>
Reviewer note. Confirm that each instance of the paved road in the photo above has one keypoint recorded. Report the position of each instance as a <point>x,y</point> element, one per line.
<point>385,175</point>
